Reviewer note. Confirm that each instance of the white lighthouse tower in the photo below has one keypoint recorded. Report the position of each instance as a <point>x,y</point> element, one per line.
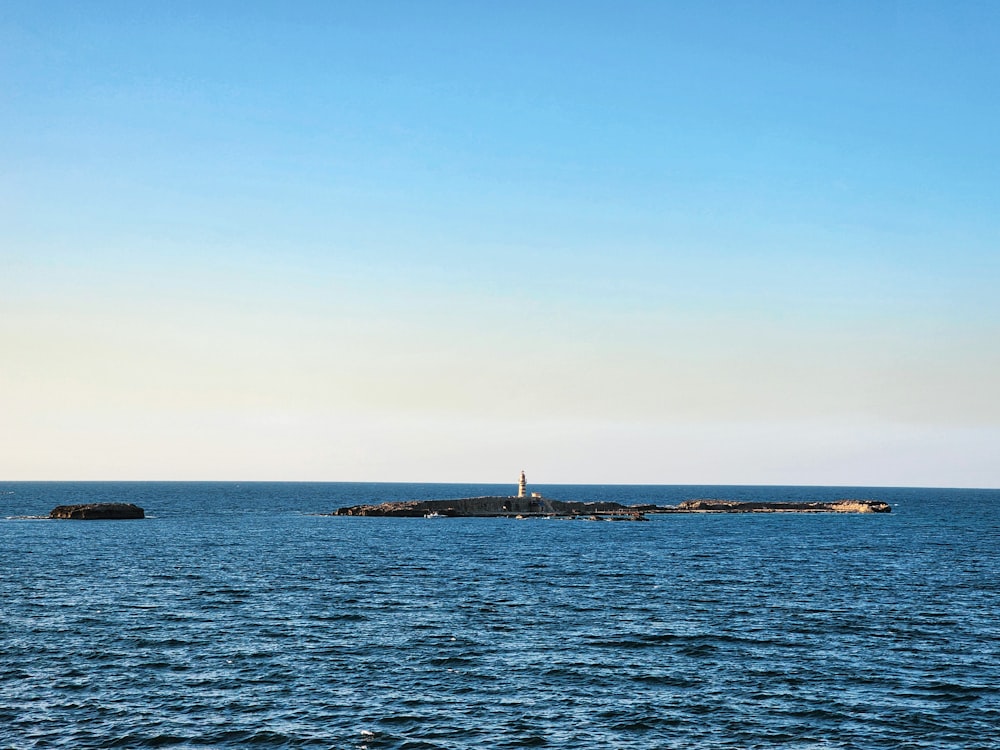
<point>522,486</point>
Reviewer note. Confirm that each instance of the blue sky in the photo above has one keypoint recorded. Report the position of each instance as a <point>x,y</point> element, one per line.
<point>604,242</point>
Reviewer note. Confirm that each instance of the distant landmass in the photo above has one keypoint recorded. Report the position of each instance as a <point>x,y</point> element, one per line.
<point>537,506</point>
<point>533,505</point>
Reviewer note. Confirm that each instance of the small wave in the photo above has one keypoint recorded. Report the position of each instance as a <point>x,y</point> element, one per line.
<point>451,661</point>
<point>407,719</point>
<point>666,680</point>
<point>950,692</point>
<point>647,723</point>
<point>698,649</point>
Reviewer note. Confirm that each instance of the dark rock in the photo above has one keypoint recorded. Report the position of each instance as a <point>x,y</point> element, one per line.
<point>98,511</point>
<point>410,509</point>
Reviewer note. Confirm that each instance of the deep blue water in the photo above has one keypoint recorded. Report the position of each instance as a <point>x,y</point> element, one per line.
<point>233,616</point>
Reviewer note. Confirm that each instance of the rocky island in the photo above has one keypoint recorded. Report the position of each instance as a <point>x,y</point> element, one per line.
<point>524,505</point>
<point>98,511</point>
<point>499,507</point>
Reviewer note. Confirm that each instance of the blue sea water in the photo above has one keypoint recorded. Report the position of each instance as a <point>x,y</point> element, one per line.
<point>234,615</point>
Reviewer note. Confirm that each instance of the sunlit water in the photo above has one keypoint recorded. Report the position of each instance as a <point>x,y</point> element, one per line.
<point>233,615</point>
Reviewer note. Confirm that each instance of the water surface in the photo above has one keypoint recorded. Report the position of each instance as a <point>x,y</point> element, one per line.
<point>233,615</point>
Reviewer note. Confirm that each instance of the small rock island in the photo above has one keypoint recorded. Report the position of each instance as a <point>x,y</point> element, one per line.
<point>534,505</point>
<point>98,512</point>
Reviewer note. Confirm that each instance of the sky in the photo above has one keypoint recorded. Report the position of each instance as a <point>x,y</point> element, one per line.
<point>604,242</point>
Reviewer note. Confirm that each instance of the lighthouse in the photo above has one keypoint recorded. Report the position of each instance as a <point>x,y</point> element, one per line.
<point>522,486</point>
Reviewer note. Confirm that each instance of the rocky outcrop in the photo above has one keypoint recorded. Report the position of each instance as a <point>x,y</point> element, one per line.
<point>736,506</point>
<point>98,511</point>
<point>861,506</point>
<point>409,509</point>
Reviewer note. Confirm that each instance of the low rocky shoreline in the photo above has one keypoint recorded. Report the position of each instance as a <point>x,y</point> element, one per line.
<point>734,506</point>
<point>500,507</point>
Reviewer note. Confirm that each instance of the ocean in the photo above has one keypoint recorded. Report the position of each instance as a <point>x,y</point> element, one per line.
<point>236,615</point>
